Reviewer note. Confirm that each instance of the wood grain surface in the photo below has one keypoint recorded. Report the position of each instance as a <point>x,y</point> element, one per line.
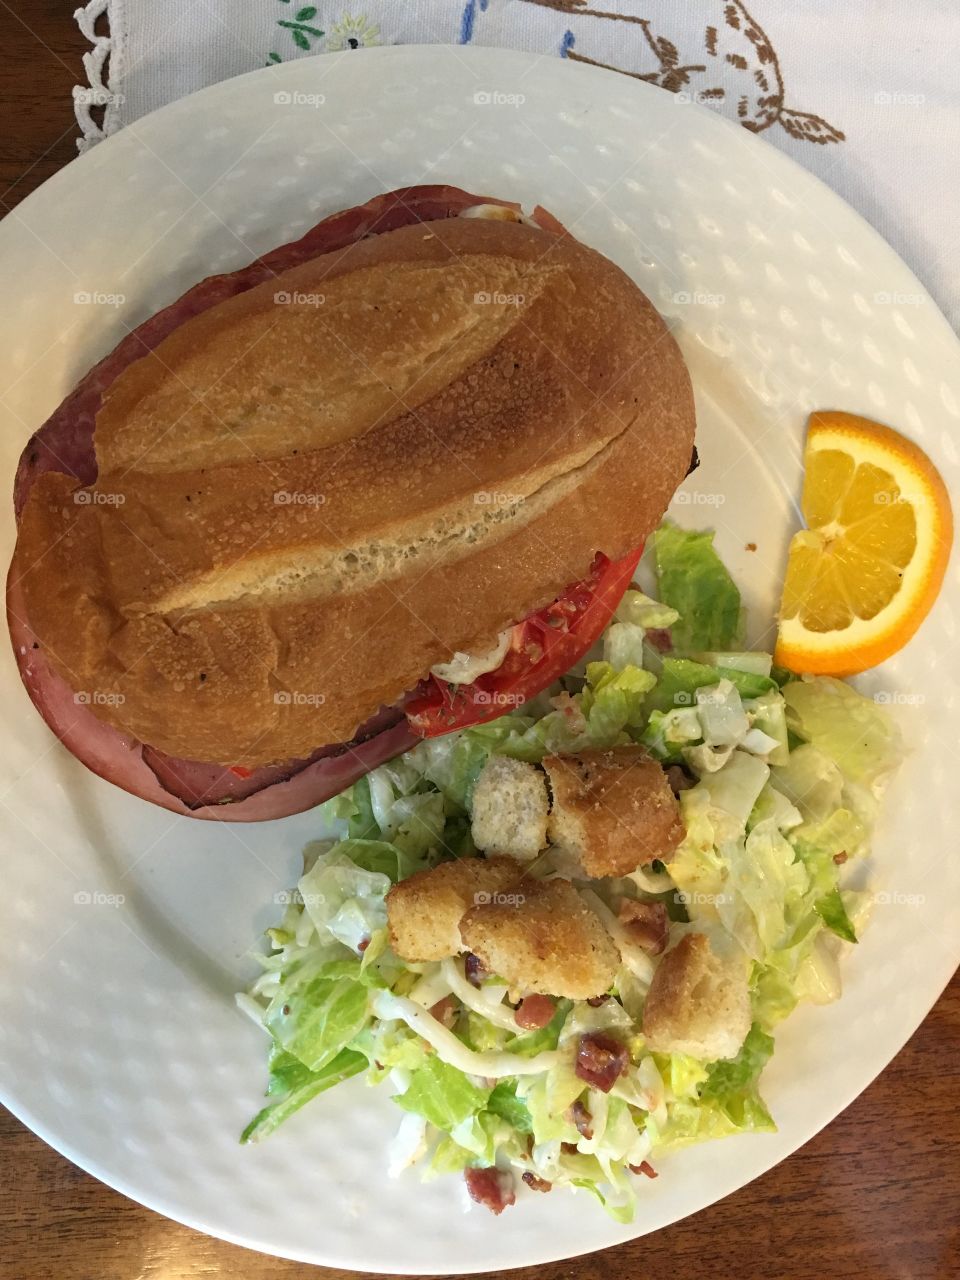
<point>875,1195</point>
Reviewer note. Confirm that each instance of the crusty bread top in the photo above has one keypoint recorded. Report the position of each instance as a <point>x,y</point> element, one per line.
<point>302,505</point>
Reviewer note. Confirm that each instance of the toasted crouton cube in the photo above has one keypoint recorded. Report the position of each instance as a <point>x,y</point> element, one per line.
<point>424,911</point>
<point>698,1002</point>
<point>509,809</point>
<point>542,937</point>
<point>613,810</point>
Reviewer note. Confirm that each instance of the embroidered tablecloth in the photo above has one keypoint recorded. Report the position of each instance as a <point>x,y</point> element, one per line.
<point>866,95</point>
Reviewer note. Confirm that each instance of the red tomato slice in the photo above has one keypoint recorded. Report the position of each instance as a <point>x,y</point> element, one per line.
<point>542,648</point>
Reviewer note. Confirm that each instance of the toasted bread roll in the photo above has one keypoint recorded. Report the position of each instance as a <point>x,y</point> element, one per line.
<point>509,809</point>
<point>547,941</point>
<point>613,810</point>
<point>315,490</point>
<point>698,1002</point>
<point>424,911</point>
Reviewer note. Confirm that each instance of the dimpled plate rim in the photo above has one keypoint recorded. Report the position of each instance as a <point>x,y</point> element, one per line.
<point>783,300</point>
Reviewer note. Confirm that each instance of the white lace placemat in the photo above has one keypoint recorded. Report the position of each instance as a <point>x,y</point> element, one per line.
<point>866,94</point>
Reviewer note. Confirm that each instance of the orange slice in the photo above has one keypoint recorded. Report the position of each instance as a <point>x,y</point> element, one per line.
<point>864,573</point>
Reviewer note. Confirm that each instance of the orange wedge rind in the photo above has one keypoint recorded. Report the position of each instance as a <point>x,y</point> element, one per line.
<point>864,573</point>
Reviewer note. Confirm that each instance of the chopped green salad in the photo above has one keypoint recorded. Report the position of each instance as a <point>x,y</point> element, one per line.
<point>776,780</point>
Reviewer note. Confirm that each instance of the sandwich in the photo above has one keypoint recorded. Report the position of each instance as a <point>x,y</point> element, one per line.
<point>383,483</point>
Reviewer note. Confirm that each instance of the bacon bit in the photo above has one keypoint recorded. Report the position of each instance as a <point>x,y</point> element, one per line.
<point>535,1183</point>
<point>445,1011</point>
<point>679,779</point>
<point>473,969</point>
<point>363,944</point>
<point>601,1060</point>
<point>647,924</point>
<point>535,1012</point>
<point>644,1167</point>
<point>491,1187</point>
<point>240,771</point>
<point>596,1001</point>
<point>660,638</point>
<point>841,857</point>
<point>751,546</point>
<point>569,1148</point>
<point>582,1119</point>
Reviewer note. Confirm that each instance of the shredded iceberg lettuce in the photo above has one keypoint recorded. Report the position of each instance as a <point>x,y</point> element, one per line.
<point>780,783</point>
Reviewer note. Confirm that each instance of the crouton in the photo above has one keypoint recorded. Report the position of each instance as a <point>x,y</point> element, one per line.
<point>509,809</point>
<point>698,1002</point>
<point>546,941</point>
<point>613,810</point>
<point>424,911</point>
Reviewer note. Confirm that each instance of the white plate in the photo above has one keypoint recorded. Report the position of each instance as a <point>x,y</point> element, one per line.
<point>119,1043</point>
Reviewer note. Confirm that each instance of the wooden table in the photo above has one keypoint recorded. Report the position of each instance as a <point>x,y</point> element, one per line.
<point>876,1195</point>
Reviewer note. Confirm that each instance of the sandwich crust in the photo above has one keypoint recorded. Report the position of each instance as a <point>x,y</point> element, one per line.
<point>304,504</point>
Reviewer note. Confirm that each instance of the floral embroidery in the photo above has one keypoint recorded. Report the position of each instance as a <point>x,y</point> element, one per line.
<point>303,35</point>
<point>728,62</point>
<point>739,72</point>
<point>352,32</point>
<point>468,17</point>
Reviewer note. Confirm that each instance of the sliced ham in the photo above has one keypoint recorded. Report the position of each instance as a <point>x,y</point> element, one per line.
<point>65,443</point>
<point>187,786</point>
